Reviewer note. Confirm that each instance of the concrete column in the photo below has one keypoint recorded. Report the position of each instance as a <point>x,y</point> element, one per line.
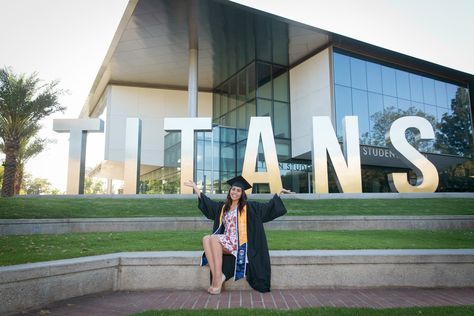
<point>110,187</point>
<point>193,83</point>
<point>193,59</point>
<point>133,140</point>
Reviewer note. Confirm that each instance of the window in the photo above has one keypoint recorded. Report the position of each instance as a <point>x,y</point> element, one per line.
<point>242,89</point>
<point>216,105</point>
<point>281,126</point>
<point>264,81</point>
<point>416,88</point>
<point>264,43</point>
<point>390,103</point>
<point>375,101</point>
<point>374,77</point>
<point>404,105</point>
<point>388,81</point>
<point>360,108</point>
<point>344,105</point>
<point>342,75</point>
<point>264,107</point>
<point>429,91</point>
<point>280,42</point>
<point>403,84</point>
<point>251,80</point>
<point>232,97</point>
<point>358,74</point>
<point>242,127</point>
<point>280,86</point>
<point>441,96</point>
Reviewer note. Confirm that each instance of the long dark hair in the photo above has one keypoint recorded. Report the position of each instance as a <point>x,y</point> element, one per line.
<point>242,202</point>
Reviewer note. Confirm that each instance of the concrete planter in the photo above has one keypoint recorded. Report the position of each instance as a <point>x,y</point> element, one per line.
<point>38,284</point>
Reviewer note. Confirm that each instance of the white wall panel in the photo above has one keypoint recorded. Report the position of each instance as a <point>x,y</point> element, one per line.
<point>151,106</point>
<point>310,95</point>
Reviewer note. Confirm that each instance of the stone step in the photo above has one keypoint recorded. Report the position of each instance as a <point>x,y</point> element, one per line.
<point>37,284</point>
<point>322,223</point>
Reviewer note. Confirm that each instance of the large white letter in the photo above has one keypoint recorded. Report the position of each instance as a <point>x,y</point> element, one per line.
<point>261,126</point>
<point>427,175</point>
<point>187,126</point>
<point>325,141</point>
<point>77,129</point>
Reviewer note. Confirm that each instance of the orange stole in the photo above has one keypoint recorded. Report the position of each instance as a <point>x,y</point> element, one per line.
<point>241,224</point>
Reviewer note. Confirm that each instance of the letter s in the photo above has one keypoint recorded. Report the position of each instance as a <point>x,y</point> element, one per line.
<point>427,175</point>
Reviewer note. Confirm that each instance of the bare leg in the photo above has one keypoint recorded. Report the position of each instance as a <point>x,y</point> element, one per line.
<point>217,251</point>
<point>206,242</point>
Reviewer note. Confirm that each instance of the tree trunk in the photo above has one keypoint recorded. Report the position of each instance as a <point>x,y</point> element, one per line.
<point>11,154</point>
<point>18,178</point>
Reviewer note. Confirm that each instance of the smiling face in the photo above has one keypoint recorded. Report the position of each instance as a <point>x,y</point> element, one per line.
<point>235,193</point>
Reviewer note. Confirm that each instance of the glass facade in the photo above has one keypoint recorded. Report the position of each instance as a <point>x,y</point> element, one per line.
<point>165,180</point>
<point>254,82</point>
<point>375,92</point>
<point>379,94</point>
<point>260,89</point>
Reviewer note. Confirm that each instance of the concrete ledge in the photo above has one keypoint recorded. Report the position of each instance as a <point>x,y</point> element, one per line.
<point>35,285</point>
<point>83,225</point>
<point>38,284</point>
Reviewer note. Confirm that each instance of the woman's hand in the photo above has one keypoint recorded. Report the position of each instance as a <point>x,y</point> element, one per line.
<point>285,191</point>
<point>189,183</point>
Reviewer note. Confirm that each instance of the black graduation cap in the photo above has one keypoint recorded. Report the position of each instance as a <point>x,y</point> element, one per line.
<point>240,182</point>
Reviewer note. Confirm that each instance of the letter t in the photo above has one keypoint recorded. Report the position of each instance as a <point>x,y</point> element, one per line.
<point>77,128</point>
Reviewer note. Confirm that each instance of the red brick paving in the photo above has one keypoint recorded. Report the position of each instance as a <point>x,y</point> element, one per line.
<point>125,303</point>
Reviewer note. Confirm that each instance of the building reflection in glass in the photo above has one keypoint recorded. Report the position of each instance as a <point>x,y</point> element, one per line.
<point>380,94</point>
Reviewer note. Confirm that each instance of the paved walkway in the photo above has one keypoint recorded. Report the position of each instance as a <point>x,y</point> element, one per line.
<point>125,303</point>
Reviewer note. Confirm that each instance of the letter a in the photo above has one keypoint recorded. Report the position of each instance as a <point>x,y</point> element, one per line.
<point>261,126</point>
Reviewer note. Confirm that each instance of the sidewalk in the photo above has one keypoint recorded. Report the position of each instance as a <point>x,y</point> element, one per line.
<point>125,303</point>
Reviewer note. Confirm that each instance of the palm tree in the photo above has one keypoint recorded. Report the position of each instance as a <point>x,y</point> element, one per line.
<point>28,149</point>
<point>23,103</point>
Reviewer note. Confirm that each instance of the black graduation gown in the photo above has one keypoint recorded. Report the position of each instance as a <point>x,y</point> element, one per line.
<point>258,267</point>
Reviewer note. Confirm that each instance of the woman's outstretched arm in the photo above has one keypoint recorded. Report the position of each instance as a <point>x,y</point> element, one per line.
<point>273,208</point>
<point>285,191</point>
<point>190,183</point>
<point>208,207</point>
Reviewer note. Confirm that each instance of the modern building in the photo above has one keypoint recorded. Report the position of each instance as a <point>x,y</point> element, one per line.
<point>243,63</point>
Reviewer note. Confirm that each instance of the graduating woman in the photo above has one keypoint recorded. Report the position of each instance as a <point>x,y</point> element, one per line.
<point>238,246</point>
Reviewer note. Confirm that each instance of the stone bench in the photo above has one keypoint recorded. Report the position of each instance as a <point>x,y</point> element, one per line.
<point>38,284</point>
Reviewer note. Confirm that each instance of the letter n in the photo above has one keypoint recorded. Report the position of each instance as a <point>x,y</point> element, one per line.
<point>325,144</point>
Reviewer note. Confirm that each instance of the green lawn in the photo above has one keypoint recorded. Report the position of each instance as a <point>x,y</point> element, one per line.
<point>322,311</point>
<point>105,207</point>
<point>34,248</point>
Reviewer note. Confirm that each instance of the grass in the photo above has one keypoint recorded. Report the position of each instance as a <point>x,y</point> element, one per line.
<point>322,311</point>
<point>105,207</point>
<point>35,248</point>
